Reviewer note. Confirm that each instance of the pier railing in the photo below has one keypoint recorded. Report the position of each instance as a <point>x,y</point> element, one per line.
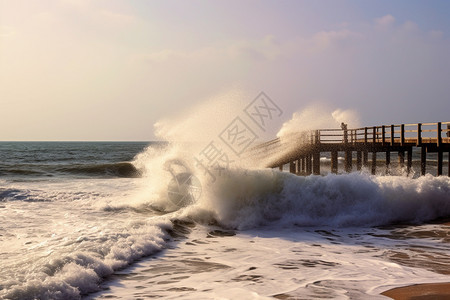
<point>386,134</point>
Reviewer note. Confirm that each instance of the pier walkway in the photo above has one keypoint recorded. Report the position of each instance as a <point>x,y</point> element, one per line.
<point>303,151</point>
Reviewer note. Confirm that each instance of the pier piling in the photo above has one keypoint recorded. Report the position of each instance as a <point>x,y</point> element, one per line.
<point>374,163</point>
<point>401,158</point>
<point>358,160</point>
<point>334,162</point>
<point>423,160</point>
<point>388,161</point>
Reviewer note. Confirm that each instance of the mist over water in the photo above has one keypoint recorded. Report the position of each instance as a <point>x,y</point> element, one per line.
<point>317,117</point>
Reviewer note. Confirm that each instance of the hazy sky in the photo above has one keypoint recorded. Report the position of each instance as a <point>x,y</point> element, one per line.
<point>109,70</point>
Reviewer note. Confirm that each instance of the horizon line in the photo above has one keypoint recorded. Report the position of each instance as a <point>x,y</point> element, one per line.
<point>80,141</point>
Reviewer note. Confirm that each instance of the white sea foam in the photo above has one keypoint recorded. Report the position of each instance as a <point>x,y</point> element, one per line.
<point>63,247</point>
<point>250,198</point>
<point>294,262</point>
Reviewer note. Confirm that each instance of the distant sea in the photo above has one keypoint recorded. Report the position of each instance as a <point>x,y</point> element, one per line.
<point>95,220</point>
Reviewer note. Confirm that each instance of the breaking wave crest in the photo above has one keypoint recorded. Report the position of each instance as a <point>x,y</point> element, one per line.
<point>245,199</point>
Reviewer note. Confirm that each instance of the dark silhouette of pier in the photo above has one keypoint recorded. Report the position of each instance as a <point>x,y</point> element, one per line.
<point>302,151</point>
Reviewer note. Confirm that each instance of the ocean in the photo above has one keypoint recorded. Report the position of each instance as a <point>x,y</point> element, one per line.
<point>134,220</point>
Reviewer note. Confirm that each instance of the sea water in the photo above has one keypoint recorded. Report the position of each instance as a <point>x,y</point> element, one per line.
<point>96,220</point>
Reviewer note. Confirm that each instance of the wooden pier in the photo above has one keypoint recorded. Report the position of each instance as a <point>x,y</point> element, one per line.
<point>302,152</point>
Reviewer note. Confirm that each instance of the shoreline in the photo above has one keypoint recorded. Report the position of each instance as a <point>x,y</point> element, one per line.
<point>436,291</point>
<point>420,291</point>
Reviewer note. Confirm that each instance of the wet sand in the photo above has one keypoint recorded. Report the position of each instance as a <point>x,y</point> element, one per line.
<point>435,291</point>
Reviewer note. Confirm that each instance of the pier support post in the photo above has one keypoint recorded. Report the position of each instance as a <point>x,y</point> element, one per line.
<point>401,159</point>
<point>308,164</point>
<point>292,167</point>
<point>298,163</point>
<point>280,167</point>
<point>388,162</point>
<point>439,162</point>
<point>374,163</point>
<point>348,161</point>
<point>423,160</point>
<point>409,161</point>
<point>358,160</point>
<point>366,158</point>
<point>316,163</point>
<point>334,162</point>
<point>303,164</point>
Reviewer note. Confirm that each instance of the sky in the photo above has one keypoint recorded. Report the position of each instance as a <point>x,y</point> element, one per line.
<point>109,70</point>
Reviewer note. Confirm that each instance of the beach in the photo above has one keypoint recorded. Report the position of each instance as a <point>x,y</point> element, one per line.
<point>420,291</point>
<point>427,290</point>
